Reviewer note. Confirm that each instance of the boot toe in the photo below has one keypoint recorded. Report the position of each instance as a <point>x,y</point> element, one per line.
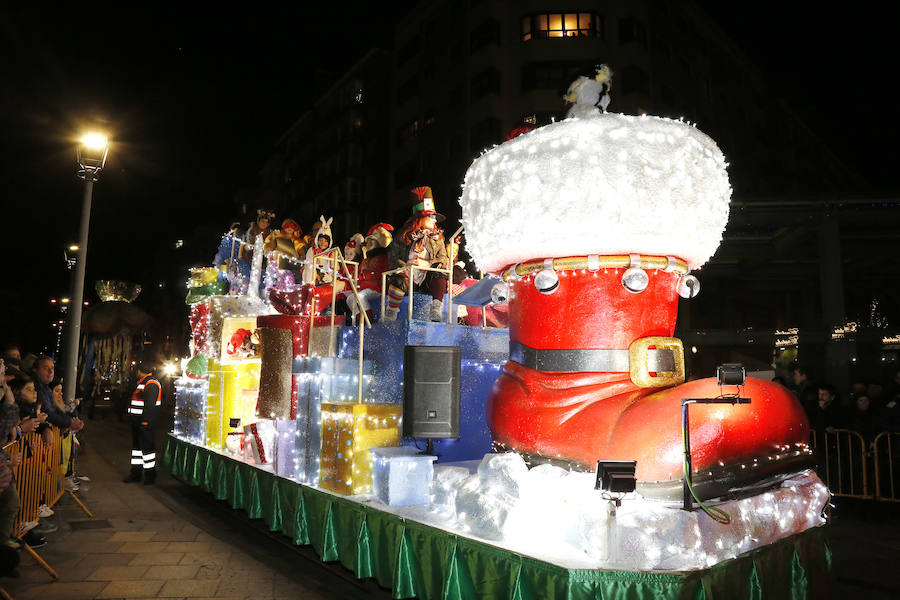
<point>733,446</point>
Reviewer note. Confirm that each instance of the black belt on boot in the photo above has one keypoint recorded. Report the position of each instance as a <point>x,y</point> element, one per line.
<point>667,361</point>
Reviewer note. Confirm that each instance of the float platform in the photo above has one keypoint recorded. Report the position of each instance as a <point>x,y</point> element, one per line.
<point>415,560</point>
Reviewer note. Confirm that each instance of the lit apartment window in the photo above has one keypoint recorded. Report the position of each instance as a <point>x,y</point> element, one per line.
<point>558,25</point>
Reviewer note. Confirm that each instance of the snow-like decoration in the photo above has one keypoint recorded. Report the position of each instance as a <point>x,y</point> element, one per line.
<point>603,184</point>
<point>556,515</point>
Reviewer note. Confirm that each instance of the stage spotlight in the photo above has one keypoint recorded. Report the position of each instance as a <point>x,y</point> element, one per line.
<point>616,476</point>
<point>731,374</point>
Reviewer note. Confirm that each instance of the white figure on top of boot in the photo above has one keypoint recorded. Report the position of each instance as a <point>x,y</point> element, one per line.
<point>587,93</point>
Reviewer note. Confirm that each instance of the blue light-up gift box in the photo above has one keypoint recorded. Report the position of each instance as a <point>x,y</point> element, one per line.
<point>401,476</point>
<point>484,352</point>
<point>384,342</point>
<point>190,409</point>
<point>287,460</point>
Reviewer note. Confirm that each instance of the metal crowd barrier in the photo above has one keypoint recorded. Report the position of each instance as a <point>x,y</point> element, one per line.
<point>39,479</point>
<point>842,464</point>
<point>886,447</point>
<point>853,468</point>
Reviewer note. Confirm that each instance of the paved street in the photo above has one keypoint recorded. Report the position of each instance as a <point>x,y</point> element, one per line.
<point>167,541</point>
<point>174,541</point>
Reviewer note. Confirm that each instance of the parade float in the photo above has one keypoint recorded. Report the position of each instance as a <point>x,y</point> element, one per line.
<point>563,456</point>
<point>112,337</point>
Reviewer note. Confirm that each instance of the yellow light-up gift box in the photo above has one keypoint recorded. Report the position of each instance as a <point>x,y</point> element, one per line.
<point>349,430</point>
<point>231,404</point>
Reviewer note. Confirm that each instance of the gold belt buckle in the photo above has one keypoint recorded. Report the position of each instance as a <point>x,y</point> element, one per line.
<point>639,366</point>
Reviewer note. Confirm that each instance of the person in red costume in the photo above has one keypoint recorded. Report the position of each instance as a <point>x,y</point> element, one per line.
<point>377,257</point>
<point>594,223</point>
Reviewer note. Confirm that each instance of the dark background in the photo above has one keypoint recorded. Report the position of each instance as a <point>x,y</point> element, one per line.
<point>194,99</point>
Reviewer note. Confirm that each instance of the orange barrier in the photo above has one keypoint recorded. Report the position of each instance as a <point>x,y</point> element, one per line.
<point>887,479</point>
<point>39,479</point>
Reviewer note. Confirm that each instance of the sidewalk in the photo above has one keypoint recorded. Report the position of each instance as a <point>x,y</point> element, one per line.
<point>159,542</point>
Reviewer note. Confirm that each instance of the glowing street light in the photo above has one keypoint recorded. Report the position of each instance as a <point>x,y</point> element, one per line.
<point>91,154</point>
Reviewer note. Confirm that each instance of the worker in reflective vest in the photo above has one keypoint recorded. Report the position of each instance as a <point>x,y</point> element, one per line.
<point>142,411</point>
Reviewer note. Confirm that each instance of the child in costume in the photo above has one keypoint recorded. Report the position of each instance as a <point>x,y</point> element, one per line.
<point>259,227</point>
<point>314,273</point>
<point>287,241</point>
<point>375,261</point>
<point>424,242</point>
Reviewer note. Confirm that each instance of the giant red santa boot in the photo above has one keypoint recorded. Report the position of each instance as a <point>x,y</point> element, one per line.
<point>624,206</point>
<point>594,372</point>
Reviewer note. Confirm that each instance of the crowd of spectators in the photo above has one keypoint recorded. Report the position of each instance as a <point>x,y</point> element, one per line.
<point>866,408</point>
<point>31,400</point>
<point>844,426</point>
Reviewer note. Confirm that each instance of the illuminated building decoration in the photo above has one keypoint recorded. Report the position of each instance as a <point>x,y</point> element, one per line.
<point>842,331</point>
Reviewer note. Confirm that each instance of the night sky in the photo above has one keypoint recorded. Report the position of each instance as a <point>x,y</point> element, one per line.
<point>194,100</point>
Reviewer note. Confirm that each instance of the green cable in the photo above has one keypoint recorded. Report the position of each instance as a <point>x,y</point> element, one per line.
<point>717,514</point>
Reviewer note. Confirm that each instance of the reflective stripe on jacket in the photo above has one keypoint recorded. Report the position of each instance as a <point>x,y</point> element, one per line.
<point>146,398</point>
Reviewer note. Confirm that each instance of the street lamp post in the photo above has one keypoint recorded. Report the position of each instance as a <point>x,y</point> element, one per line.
<point>91,155</point>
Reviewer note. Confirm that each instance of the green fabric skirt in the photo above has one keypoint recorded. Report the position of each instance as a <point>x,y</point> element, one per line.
<point>419,561</point>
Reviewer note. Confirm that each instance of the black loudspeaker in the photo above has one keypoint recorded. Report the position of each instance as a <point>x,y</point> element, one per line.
<point>431,377</point>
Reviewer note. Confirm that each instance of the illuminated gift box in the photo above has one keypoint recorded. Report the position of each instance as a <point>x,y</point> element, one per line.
<point>349,431</point>
<point>190,409</point>
<point>224,307</point>
<point>384,344</point>
<point>276,387</point>
<point>300,328</point>
<point>259,442</point>
<point>231,403</point>
<point>199,320</point>
<point>287,443</point>
<point>402,476</point>
<point>300,339</point>
<point>322,380</point>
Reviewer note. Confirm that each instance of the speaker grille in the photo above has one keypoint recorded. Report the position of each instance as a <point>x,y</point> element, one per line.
<point>431,378</point>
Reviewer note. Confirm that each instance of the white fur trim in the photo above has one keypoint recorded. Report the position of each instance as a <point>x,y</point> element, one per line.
<point>606,184</point>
